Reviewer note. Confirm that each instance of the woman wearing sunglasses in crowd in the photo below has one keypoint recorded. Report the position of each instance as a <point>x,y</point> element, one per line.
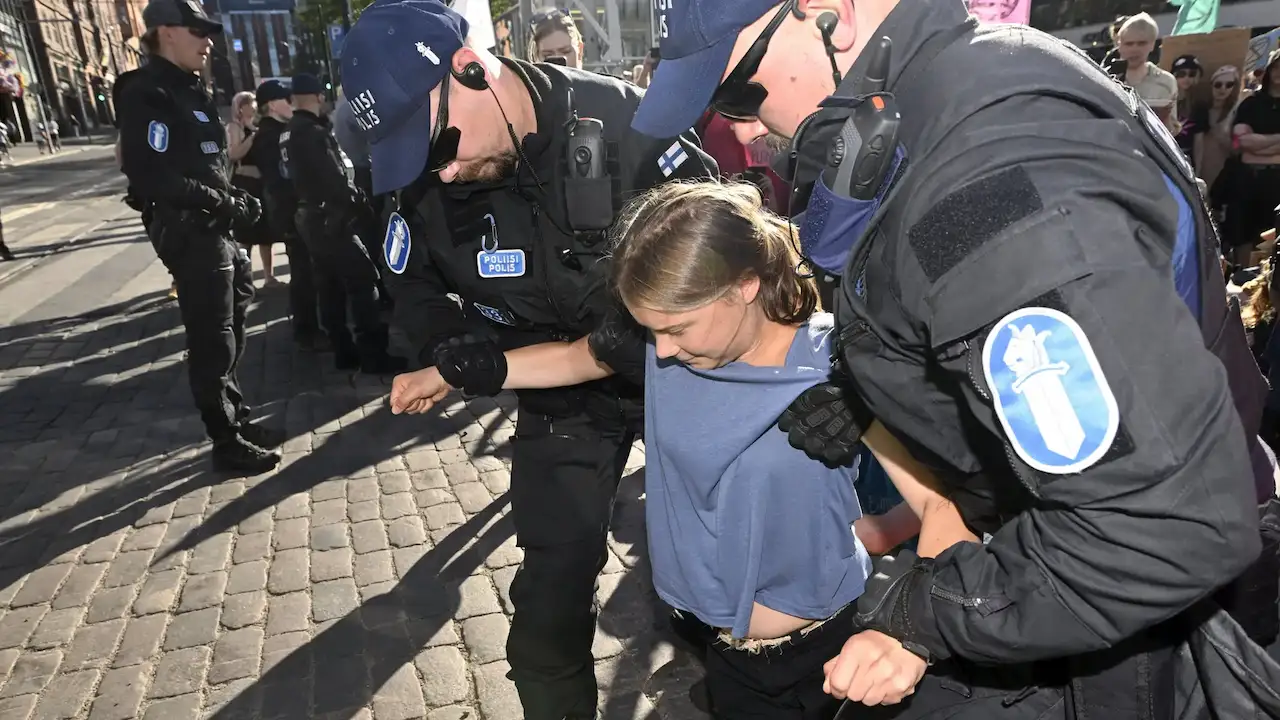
<point>556,39</point>
<point>746,533</point>
<point>1213,142</point>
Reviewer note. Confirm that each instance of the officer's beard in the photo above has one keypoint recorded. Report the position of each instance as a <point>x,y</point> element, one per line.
<point>777,143</point>
<point>492,170</point>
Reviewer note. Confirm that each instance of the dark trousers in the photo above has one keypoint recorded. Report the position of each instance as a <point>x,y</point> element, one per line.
<point>343,273</point>
<point>302,290</point>
<point>564,476</point>
<point>215,287</point>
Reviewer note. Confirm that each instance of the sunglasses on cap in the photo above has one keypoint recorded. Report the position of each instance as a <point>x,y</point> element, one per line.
<point>549,14</point>
<point>739,97</point>
<point>444,139</point>
<point>1186,73</point>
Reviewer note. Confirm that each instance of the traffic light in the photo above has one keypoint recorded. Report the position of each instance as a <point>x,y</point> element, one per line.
<point>102,98</point>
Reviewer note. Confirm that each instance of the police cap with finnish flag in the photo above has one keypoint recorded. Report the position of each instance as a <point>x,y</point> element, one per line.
<point>696,38</point>
<point>179,13</point>
<point>392,58</point>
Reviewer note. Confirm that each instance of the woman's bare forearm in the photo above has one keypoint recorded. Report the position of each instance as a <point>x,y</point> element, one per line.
<point>552,365</point>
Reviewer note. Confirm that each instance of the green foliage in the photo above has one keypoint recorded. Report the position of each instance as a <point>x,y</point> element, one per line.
<point>497,7</point>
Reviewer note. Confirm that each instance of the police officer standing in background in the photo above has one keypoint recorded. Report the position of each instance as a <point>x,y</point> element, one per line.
<point>328,219</point>
<point>490,249</point>
<point>1032,304</point>
<point>173,150</point>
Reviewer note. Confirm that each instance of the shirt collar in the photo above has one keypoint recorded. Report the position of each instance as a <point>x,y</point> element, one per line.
<point>910,25</point>
<point>166,70</point>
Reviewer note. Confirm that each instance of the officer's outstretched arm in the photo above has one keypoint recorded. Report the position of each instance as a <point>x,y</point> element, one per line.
<point>148,157</point>
<point>426,308</point>
<point>1052,316</point>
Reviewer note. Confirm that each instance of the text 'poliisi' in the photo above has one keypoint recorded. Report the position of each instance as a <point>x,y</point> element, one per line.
<point>660,8</point>
<point>362,107</point>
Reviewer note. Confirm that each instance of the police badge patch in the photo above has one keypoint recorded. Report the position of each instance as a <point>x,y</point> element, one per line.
<point>395,245</point>
<point>1050,394</point>
<point>158,136</point>
<point>502,317</point>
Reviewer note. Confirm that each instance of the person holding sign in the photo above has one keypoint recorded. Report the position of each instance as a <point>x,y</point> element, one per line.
<point>507,175</point>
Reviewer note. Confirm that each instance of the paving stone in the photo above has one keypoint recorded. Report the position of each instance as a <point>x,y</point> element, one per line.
<point>254,546</point>
<point>158,593</point>
<point>244,609</point>
<point>442,516</point>
<point>454,712</point>
<point>292,533</point>
<point>486,637</point>
<point>247,577</point>
<point>422,460</point>
<point>193,503</point>
<point>7,659</point>
<point>79,587</point>
<point>329,537</point>
<point>433,497</point>
<point>444,676</point>
<point>429,479</point>
<point>193,628</point>
<point>294,506</point>
<point>328,512</point>
<point>128,568</point>
<point>186,706</point>
<point>358,512</point>
<point>398,505</point>
<point>331,565</point>
<point>334,599</point>
<point>93,645</point>
<point>203,591</point>
<point>395,482</point>
<point>363,489</point>
<point>373,568</point>
<point>56,629</point>
<point>277,648</point>
<point>67,696</point>
<point>211,555</point>
<point>18,624</point>
<point>335,489</point>
<point>473,497</point>
<point>497,482</point>
<point>502,580</point>
<point>141,640</point>
<point>18,708</point>
<point>147,538</point>
<point>41,586</point>
<point>288,613</point>
<point>406,558</point>
<point>258,522</point>
<point>369,592</point>
<point>179,672</point>
<point>406,531</point>
<point>226,491</point>
<point>368,537</point>
<point>290,571</point>
<point>505,555</point>
<point>236,655</point>
<point>31,673</point>
<point>121,692</point>
<point>497,694</point>
<point>107,605</point>
<point>460,473</point>
<point>476,596</point>
<point>400,697</point>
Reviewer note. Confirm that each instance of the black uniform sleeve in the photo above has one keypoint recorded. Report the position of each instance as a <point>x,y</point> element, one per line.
<point>155,175</point>
<point>1049,217</point>
<point>653,162</point>
<point>426,308</point>
<point>315,175</point>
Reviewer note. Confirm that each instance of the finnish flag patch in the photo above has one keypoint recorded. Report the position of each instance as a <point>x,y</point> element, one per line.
<point>672,159</point>
<point>158,136</point>
<point>1050,394</point>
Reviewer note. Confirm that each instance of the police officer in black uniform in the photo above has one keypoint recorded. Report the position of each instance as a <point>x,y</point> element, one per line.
<point>1031,302</point>
<point>508,173</point>
<point>281,202</point>
<point>328,219</point>
<point>173,150</point>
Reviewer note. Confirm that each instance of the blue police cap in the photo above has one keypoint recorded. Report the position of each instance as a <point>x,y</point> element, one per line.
<point>392,59</point>
<point>306,84</point>
<point>696,40</point>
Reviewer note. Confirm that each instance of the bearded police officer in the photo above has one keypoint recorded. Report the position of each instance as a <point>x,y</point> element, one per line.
<point>173,150</point>
<point>508,174</point>
<point>327,218</point>
<point>1031,302</point>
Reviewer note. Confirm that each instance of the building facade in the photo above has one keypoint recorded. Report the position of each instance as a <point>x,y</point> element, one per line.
<point>1085,22</point>
<point>259,41</point>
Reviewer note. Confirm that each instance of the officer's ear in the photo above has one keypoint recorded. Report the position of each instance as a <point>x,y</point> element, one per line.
<point>845,33</point>
<point>464,58</point>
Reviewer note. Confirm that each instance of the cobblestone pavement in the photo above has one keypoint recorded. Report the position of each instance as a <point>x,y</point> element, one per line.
<point>366,578</point>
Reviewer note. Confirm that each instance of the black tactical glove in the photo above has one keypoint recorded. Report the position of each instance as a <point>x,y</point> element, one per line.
<point>619,342</point>
<point>232,207</point>
<point>827,422</point>
<point>253,209</point>
<point>886,602</point>
<point>473,364</point>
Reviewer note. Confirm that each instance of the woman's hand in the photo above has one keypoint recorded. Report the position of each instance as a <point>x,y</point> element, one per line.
<point>873,669</point>
<point>417,392</point>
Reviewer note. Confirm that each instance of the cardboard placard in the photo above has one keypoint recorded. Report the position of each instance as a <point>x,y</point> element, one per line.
<point>1260,49</point>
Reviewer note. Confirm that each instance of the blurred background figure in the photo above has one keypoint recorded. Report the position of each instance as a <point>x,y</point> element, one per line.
<point>556,39</point>
<point>246,176</point>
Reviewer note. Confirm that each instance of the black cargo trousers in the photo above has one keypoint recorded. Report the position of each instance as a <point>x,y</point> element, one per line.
<point>302,288</point>
<point>343,272</point>
<point>215,286</point>
<point>564,476</point>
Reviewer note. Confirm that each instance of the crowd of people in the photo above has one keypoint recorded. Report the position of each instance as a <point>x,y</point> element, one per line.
<point>1009,298</point>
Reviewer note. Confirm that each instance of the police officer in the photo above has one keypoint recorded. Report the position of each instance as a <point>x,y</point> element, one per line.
<point>1031,302</point>
<point>491,249</point>
<point>281,202</point>
<point>328,218</point>
<point>173,150</point>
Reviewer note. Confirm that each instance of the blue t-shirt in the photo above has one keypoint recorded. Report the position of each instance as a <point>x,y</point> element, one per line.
<point>735,514</point>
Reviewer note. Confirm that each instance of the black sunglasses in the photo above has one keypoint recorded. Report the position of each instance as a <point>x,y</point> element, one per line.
<point>739,97</point>
<point>1187,73</point>
<point>444,139</point>
<point>1224,85</point>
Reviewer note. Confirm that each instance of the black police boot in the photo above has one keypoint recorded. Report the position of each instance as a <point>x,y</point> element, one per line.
<point>5,253</point>
<point>268,438</point>
<point>239,456</point>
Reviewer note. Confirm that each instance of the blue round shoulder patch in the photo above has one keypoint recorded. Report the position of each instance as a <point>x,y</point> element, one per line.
<point>158,136</point>
<point>1049,391</point>
<point>395,245</point>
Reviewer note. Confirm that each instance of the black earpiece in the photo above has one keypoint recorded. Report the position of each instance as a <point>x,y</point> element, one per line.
<point>827,22</point>
<point>472,77</point>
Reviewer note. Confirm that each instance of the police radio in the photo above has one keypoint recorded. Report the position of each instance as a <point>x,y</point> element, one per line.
<point>588,188</point>
<point>860,158</point>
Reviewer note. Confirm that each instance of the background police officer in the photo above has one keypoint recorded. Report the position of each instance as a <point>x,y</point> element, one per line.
<point>281,203</point>
<point>999,316</point>
<point>327,217</point>
<point>173,150</point>
<point>488,251</point>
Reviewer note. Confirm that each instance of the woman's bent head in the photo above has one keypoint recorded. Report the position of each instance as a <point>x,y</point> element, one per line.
<point>705,266</point>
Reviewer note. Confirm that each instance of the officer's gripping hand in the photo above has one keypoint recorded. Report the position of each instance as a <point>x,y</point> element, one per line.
<point>886,602</point>
<point>417,392</point>
<point>827,422</point>
<point>253,209</point>
<point>873,669</point>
